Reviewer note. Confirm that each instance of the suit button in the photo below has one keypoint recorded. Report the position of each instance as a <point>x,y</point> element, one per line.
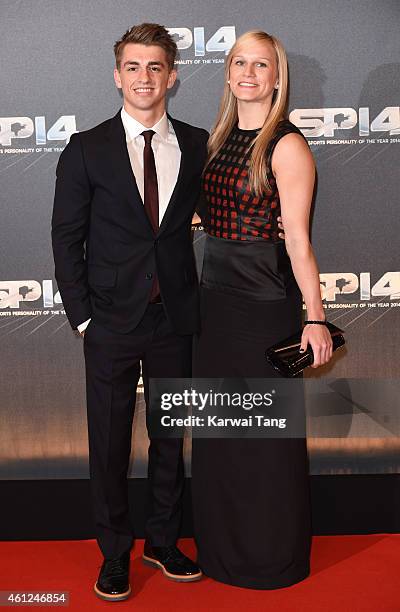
<point>149,276</point>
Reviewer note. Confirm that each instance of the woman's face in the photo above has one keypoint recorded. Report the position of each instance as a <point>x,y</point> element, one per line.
<point>253,72</point>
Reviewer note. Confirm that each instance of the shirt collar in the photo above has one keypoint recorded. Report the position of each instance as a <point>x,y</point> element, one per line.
<point>134,128</point>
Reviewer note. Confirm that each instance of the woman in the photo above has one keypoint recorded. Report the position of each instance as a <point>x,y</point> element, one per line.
<point>251,496</point>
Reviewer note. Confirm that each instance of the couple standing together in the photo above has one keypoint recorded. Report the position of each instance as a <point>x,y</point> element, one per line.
<point>126,192</point>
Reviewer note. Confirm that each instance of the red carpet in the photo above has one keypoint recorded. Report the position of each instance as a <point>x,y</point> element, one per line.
<point>349,574</point>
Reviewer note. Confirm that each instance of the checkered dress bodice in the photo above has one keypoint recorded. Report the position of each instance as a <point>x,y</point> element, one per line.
<point>233,211</point>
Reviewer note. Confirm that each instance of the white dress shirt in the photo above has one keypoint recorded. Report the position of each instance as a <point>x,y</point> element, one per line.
<point>167,156</point>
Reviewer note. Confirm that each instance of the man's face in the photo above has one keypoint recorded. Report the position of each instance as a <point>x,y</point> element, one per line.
<point>144,78</point>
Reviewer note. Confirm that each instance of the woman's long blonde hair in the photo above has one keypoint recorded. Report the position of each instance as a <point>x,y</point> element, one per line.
<point>228,114</point>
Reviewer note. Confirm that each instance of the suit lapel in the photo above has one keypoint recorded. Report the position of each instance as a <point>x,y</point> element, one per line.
<point>184,145</point>
<point>122,169</point>
<point>124,175</point>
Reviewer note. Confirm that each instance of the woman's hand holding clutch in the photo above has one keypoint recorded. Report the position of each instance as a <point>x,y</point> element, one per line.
<point>320,340</point>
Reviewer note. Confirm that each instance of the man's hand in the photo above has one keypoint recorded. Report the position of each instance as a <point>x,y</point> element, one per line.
<point>280,225</point>
<point>82,328</point>
<point>196,219</point>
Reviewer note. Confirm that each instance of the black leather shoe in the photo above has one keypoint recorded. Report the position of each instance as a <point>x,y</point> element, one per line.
<point>113,581</point>
<point>174,564</point>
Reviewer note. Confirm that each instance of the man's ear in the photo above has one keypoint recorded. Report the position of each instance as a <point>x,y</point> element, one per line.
<point>117,78</point>
<point>172,78</point>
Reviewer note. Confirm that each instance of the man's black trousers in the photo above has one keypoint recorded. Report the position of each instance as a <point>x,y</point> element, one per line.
<point>112,373</point>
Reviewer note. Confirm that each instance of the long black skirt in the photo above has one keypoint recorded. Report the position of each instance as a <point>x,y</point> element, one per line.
<point>251,500</point>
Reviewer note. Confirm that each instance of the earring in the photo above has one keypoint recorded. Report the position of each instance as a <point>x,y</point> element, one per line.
<point>276,86</point>
<point>228,81</point>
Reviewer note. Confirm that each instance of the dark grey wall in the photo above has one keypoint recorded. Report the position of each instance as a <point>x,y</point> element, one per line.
<point>57,61</point>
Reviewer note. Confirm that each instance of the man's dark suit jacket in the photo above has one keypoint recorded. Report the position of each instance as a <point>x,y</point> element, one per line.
<point>105,250</point>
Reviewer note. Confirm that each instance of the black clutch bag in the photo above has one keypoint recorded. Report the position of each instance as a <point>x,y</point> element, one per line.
<point>286,357</point>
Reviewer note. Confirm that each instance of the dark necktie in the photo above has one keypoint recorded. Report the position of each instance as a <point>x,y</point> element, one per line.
<point>151,198</point>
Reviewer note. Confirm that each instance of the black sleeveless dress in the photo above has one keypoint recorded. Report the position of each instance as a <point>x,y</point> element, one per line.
<point>251,505</point>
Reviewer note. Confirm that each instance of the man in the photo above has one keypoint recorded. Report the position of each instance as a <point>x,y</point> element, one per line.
<point>126,192</point>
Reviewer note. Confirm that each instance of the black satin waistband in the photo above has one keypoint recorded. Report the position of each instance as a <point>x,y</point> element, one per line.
<point>253,269</point>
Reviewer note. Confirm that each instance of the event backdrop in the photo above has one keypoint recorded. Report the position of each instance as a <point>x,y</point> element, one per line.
<point>57,78</point>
